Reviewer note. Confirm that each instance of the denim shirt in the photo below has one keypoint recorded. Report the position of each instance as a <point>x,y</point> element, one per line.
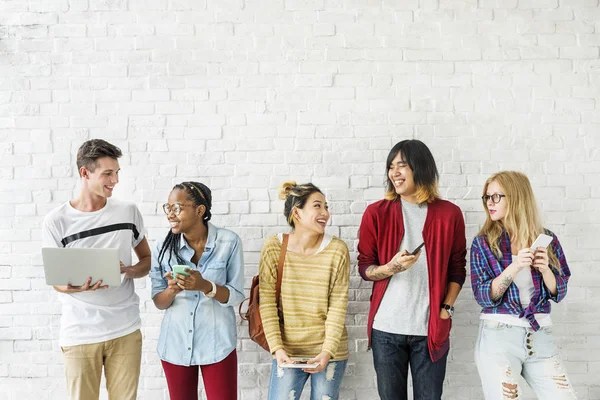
<point>197,330</point>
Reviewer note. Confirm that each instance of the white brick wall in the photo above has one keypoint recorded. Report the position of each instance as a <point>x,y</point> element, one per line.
<point>244,94</point>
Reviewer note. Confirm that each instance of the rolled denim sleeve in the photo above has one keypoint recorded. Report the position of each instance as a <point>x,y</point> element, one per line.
<point>481,275</point>
<point>159,282</point>
<point>235,275</point>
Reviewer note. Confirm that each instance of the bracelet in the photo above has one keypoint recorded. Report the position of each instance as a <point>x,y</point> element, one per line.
<point>213,290</point>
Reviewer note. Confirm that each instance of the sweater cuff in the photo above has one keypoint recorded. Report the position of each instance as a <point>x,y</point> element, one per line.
<point>275,348</point>
<point>331,355</point>
<point>330,348</point>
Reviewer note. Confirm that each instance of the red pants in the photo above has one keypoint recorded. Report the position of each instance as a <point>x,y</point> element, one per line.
<point>220,379</point>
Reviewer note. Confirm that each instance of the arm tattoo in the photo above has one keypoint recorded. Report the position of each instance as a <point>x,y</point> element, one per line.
<point>395,268</point>
<point>375,273</point>
<point>502,288</point>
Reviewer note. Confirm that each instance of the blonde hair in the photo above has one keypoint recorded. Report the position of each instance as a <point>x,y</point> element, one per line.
<point>424,194</point>
<point>295,196</point>
<point>522,219</point>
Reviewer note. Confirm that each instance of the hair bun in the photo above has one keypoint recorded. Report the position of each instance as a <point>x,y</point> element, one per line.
<point>285,189</point>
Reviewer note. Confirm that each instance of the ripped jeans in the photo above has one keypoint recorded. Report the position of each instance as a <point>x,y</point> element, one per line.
<point>503,352</point>
<point>287,383</point>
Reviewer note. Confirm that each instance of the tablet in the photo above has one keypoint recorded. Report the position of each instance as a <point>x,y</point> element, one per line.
<point>75,266</point>
<point>300,364</point>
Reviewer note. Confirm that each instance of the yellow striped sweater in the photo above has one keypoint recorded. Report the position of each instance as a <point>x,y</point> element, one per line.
<point>314,298</point>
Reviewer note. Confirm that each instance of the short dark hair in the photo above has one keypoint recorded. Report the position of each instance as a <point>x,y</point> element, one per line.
<point>421,162</point>
<point>90,151</point>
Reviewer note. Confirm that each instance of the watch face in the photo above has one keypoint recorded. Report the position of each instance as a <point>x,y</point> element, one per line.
<point>449,309</point>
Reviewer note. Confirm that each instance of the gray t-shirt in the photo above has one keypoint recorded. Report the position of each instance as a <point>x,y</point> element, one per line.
<point>404,308</point>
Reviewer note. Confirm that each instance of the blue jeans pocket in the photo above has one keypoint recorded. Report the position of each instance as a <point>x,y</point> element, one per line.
<point>547,330</point>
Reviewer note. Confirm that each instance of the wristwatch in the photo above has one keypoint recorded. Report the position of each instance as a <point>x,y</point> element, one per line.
<point>213,291</point>
<point>448,308</point>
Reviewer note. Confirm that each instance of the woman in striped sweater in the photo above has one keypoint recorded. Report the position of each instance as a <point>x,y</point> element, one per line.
<point>313,300</point>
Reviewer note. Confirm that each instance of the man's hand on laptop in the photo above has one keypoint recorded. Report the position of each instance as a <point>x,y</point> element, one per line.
<point>83,288</point>
<point>127,271</point>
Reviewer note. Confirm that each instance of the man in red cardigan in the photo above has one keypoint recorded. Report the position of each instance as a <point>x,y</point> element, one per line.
<point>413,294</point>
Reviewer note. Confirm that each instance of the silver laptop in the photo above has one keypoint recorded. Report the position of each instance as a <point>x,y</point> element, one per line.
<point>75,266</point>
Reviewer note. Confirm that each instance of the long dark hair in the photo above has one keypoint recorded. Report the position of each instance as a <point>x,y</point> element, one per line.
<point>199,194</point>
<point>421,162</point>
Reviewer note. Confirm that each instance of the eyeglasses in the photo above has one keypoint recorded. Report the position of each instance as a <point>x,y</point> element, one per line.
<point>496,198</point>
<point>176,208</point>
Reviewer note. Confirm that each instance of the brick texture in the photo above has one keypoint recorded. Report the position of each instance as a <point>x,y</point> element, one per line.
<point>243,95</point>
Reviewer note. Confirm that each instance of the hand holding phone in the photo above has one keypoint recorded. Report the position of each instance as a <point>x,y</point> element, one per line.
<point>540,261</point>
<point>179,269</point>
<point>523,259</point>
<point>404,260</point>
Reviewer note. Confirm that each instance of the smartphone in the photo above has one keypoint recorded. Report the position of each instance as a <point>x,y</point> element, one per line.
<point>415,251</point>
<point>179,269</point>
<point>541,241</point>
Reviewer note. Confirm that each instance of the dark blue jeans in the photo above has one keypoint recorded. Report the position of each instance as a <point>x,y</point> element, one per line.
<point>392,354</point>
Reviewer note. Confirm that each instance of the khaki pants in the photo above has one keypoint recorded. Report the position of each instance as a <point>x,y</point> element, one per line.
<point>121,358</point>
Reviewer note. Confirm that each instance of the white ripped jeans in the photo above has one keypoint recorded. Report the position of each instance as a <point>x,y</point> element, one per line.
<point>503,352</point>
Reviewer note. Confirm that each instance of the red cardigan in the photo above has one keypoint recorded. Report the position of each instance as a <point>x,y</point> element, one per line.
<point>380,234</point>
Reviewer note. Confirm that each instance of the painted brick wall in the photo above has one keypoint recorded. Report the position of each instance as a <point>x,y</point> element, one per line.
<point>243,94</point>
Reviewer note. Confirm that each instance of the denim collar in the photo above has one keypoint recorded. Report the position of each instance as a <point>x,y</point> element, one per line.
<point>210,240</point>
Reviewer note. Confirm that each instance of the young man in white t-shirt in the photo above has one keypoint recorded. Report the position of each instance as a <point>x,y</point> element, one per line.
<point>100,326</point>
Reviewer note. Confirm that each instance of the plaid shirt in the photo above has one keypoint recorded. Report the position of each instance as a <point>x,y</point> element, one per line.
<point>485,267</point>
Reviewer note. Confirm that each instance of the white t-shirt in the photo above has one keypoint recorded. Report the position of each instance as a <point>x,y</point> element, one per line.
<point>98,316</point>
<point>524,283</point>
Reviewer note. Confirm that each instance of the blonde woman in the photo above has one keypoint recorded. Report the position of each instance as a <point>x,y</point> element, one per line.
<point>514,284</point>
<point>314,298</point>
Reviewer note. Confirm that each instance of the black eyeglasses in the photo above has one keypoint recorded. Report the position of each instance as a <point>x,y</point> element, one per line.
<point>496,198</point>
<point>176,208</point>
